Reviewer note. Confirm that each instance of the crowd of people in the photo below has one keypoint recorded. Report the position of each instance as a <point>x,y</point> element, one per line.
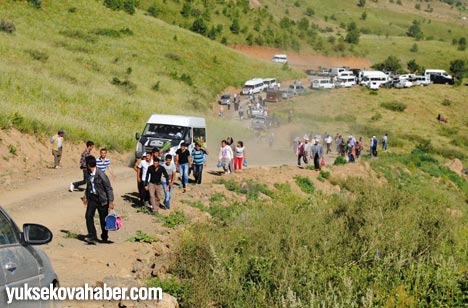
<point>350,148</point>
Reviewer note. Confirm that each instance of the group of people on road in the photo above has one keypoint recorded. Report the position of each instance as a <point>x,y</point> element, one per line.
<point>350,147</point>
<point>305,151</point>
<point>157,171</point>
<point>232,158</point>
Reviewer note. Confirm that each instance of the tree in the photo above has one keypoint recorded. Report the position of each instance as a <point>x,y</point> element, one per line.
<point>413,67</point>
<point>186,10</point>
<point>414,48</point>
<point>362,3</point>
<point>462,44</point>
<point>235,27</point>
<point>352,37</point>
<point>459,69</point>
<point>392,64</point>
<point>415,31</point>
<point>364,15</point>
<point>199,26</point>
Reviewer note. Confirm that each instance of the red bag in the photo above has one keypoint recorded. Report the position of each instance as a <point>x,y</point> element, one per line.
<point>322,162</point>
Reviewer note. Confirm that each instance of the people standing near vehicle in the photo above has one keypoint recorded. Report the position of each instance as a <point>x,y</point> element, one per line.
<point>225,156</point>
<point>154,183</point>
<point>57,144</point>
<point>299,152</point>
<point>141,170</point>
<point>168,186</point>
<point>183,163</point>
<point>198,162</point>
<point>229,104</point>
<point>385,142</point>
<point>99,196</point>
<point>239,156</point>
<point>328,140</point>
<point>86,153</point>
<point>103,163</point>
<point>316,152</point>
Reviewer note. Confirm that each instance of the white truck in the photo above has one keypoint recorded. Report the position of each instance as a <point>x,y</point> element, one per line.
<point>175,129</point>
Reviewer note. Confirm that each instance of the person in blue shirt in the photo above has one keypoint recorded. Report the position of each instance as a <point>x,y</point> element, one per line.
<point>198,161</point>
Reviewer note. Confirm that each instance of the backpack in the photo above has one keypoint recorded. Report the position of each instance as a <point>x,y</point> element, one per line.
<point>113,221</point>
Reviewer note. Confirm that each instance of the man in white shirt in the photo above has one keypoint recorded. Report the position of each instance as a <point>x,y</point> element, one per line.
<point>57,142</point>
<point>141,170</point>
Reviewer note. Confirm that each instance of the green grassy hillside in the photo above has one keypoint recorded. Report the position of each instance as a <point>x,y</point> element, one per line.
<point>320,26</point>
<point>99,73</point>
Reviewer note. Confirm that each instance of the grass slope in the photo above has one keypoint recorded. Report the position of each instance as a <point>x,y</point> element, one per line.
<point>99,73</point>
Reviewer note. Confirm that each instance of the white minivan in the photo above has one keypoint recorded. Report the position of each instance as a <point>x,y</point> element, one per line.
<point>253,86</point>
<point>325,83</point>
<point>175,129</point>
<point>280,59</point>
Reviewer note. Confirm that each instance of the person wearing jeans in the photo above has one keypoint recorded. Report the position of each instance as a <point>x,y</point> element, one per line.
<point>168,186</point>
<point>198,161</point>
<point>183,161</point>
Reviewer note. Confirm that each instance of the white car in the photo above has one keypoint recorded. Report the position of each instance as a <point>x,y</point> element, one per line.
<point>373,85</point>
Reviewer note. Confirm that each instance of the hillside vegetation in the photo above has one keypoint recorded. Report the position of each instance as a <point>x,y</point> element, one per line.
<point>98,73</point>
<point>381,28</point>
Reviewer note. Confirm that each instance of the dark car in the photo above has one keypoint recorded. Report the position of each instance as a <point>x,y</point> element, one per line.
<point>225,99</point>
<point>21,262</point>
<point>439,79</point>
<point>273,95</point>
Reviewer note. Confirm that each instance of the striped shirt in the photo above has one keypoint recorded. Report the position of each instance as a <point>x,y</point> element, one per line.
<point>198,156</point>
<point>102,164</point>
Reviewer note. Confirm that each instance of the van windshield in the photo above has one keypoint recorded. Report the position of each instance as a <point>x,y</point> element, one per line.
<point>165,131</point>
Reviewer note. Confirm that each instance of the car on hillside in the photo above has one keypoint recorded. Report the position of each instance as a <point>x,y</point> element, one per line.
<point>403,83</point>
<point>21,262</point>
<point>225,99</point>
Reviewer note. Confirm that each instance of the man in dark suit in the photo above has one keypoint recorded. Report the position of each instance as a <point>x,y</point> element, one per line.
<point>99,196</point>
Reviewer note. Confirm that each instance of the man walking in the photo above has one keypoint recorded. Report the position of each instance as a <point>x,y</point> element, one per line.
<point>183,160</point>
<point>374,144</point>
<point>328,140</point>
<point>153,180</point>
<point>141,170</point>
<point>103,163</point>
<point>198,161</point>
<point>168,186</point>
<point>99,196</point>
<point>57,142</point>
<point>316,153</point>
<point>385,142</point>
<point>86,153</point>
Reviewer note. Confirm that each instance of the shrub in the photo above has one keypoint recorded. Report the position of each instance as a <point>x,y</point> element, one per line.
<point>126,85</point>
<point>141,237</point>
<point>340,160</point>
<point>72,10</point>
<point>153,11</point>
<point>78,34</point>
<point>125,5</point>
<point>377,116</point>
<point>12,149</point>
<point>172,56</point>
<point>394,106</point>
<point>7,26</point>
<point>447,102</point>
<point>35,3</point>
<point>305,184</point>
<point>183,77</point>
<point>111,32</point>
<point>155,86</point>
<point>175,219</point>
<point>38,55</point>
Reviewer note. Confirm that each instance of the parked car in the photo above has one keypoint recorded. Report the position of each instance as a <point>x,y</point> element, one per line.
<point>297,88</point>
<point>225,99</point>
<point>21,262</point>
<point>324,83</point>
<point>440,79</point>
<point>287,93</point>
<point>422,80</point>
<point>403,83</point>
<point>261,122</point>
<point>273,95</point>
